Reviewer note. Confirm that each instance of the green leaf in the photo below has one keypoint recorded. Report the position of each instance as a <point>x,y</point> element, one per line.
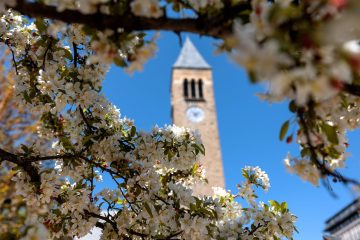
<point>252,77</point>
<point>203,149</point>
<point>266,207</point>
<point>40,25</point>
<point>87,139</point>
<point>194,169</point>
<point>305,152</point>
<point>66,143</point>
<point>198,149</point>
<point>24,148</point>
<point>133,131</point>
<point>170,154</point>
<point>26,97</point>
<point>176,7</point>
<point>284,129</point>
<point>330,132</point>
<point>148,209</point>
<point>292,106</point>
<point>274,203</point>
<point>67,54</point>
<point>120,62</point>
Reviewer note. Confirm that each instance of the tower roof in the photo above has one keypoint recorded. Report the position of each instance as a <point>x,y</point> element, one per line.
<point>190,57</point>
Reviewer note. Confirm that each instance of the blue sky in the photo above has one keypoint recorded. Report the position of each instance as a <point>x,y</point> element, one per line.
<point>248,128</point>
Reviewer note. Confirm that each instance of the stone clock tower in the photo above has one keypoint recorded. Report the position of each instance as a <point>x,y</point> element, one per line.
<point>193,106</point>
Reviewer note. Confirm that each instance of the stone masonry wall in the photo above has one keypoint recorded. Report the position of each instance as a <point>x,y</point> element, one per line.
<point>208,126</point>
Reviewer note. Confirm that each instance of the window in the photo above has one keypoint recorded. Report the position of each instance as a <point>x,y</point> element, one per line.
<point>186,88</point>
<point>200,85</point>
<point>193,89</point>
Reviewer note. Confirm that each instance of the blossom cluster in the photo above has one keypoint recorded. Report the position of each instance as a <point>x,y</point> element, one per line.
<point>294,49</point>
<point>59,72</point>
<point>303,51</point>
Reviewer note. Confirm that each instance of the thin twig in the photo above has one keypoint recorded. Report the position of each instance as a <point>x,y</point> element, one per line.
<point>325,171</point>
<point>13,59</point>
<point>101,167</point>
<point>89,126</point>
<point>45,54</point>
<point>255,229</point>
<point>76,54</point>
<point>106,219</point>
<point>124,195</point>
<point>92,184</point>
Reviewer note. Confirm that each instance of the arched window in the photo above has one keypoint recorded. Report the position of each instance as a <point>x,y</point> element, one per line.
<point>193,89</point>
<point>186,88</point>
<point>200,84</point>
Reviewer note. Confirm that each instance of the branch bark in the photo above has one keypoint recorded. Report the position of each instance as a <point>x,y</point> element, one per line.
<point>216,26</point>
<point>30,169</point>
<point>352,89</point>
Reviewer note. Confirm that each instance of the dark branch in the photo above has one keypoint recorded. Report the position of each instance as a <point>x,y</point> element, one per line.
<point>124,195</point>
<point>46,52</point>
<point>253,230</point>
<point>352,89</point>
<point>215,26</point>
<point>76,55</point>
<point>325,171</point>
<point>100,225</point>
<point>27,166</point>
<point>13,59</point>
<point>25,162</point>
<point>106,219</point>
<point>133,232</point>
<point>88,125</point>
<point>92,184</point>
<point>32,171</point>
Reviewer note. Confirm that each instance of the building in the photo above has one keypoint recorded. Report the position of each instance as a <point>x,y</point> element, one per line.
<point>193,106</point>
<point>345,224</point>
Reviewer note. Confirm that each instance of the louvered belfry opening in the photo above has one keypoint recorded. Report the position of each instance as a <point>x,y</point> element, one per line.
<point>186,88</point>
<point>193,90</point>
<point>190,59</point>
<point>200,87</point>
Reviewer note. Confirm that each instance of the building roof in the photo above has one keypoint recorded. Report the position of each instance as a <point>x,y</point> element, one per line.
<point>344,216</point>
<point>190,57</point>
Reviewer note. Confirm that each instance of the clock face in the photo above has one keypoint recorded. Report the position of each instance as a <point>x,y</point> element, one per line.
<point>195,114</point>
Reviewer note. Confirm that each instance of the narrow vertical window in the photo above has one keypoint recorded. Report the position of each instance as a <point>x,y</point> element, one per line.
<point>186,88</point>
<point>193,89</point>
<point>200,84</point>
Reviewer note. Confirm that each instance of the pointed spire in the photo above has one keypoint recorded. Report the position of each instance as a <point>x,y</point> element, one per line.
<point>190,57</point>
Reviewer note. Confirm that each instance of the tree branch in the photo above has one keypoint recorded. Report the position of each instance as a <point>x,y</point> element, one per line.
<point>215,26</point>
<point>325,171</point>
<point>352,89</point>
<point>106,219</point>
<point>25,162</point>
<point>13,59</point>
<point>45,54</point>
<point>30,169</point>
<point>124,195</point>
<point>250,233</point>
